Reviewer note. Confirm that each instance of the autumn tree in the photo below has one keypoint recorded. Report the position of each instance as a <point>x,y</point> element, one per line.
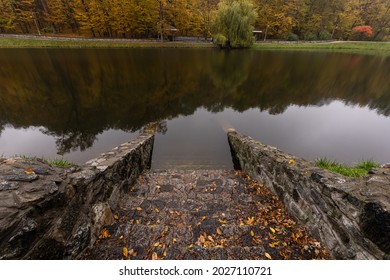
<point>362,32</point>
<point>233,27</point>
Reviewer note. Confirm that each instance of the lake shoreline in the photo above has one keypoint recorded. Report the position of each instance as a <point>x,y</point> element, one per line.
<point>33,41</point>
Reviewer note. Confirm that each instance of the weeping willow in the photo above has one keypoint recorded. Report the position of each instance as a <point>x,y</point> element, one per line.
<point>233,27</point>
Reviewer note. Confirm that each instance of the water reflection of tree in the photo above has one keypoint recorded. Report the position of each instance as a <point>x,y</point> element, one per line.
<point>77,94</point>
<point>72,140</point>
<point>228,71</point>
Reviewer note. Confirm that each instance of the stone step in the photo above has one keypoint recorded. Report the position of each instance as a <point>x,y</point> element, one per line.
<point>199,214</point>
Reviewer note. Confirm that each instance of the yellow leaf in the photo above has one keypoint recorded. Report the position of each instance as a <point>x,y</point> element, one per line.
<point>165,253</point>
<point>203,218</point>
<point>125,252</point>
<point>174,240</point>
<point>219,231</point>
<point>137,222</point>
<point>222,221</point>
<point>158,187</point>
<point>139,209</point>
<point>156,244</point>
<point>121,237</point>
<point>250,221</point>
<point>252,233</point>
<point>105,233</point>
<point>190,246</point>
<point>154,256</point>
<point>291,161</point>
<point>210,238</point>
<point>156,210</point>
<point>268,256</point>
<point>271,229</point>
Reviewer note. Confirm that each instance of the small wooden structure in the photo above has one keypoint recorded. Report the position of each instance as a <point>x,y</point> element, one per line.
<point>170,32</point>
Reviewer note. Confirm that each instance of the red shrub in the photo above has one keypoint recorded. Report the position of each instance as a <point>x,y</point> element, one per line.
<point>363,31</point>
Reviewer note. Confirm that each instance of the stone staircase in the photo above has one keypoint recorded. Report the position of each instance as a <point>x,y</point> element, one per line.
<point>202,214</point>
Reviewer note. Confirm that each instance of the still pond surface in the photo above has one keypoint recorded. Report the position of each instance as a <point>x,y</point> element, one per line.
<point>77,104</point>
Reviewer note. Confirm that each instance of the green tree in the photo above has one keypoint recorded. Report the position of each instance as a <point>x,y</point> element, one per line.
<point>233,27</point>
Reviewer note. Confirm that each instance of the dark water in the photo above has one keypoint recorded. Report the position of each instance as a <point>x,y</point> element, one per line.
<point>77,104</point>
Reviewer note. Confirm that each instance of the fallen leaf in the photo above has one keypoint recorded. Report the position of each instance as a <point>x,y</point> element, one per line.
<point>121,237</point>
<point>154,256</point>
<point>165,253</point>
<point>158,187</point>
<point>125,252</point>
<point>156,244</point>
<point>250,221</point>
<point>291,161</point>
<point>105,233</point>
<point>268,256</point>
<point>272,229</point>
<point>210,238</point>
<point>133,253</point>
<point>219,232</point>
<point>174,240</point>
<point>203,218</point>
<point>202,239</point>
<point>252,233</point>
<point>190,246</point>
<point>116,217</point>
<point>29,171</point>
<point>156,210</point>
<point>222,221</point>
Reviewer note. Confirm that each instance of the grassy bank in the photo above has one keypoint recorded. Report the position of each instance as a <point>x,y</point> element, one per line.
<point>358,170</point>
<point>91,43</point>
<point>377,48</point>
<point>373,48</point>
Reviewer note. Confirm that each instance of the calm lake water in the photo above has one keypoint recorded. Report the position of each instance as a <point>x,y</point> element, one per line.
<point>77,104</point>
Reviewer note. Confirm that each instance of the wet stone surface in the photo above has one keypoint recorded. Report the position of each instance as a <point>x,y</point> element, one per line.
<point>202,215</point>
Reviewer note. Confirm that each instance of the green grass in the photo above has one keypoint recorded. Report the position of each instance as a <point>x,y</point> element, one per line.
<point>376,48</point>
<point>60,162</point>
<point>358,170</point>
<point>372,48</point>
<point>82,43</point>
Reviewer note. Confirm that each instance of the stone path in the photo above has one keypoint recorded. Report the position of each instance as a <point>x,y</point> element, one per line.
<point>202,214</point>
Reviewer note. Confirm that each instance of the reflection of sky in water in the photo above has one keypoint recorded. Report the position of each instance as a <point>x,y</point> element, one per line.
<point>342,133</point>
<point>32,142</point>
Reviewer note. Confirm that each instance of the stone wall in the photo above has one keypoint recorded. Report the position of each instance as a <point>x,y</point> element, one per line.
<point>350,216</point>
<point>52,213</point>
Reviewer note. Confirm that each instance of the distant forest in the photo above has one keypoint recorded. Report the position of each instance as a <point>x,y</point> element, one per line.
<point>277,19</point>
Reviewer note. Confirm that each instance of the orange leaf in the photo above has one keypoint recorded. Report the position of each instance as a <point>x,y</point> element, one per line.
<point>125,252</point>
<point>29,171</point>
<point>116,217</point>
<point>219,231</point>
<point>250,221</point>
<point>268,256</point>
<point>154,256</point>
<point>105,233</point>
<point>210,238</point>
